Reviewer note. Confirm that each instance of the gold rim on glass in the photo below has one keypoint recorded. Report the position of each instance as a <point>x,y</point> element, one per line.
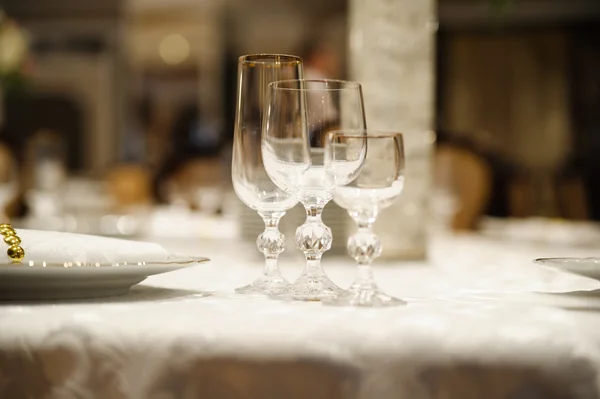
<point>365,134</point>
<point>341,84</point>
<point>252,60</point>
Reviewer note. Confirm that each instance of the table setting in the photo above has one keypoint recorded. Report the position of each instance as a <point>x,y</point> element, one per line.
<point>192,316</point>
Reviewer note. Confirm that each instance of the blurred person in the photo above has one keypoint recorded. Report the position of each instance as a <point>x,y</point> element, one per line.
<point>14,205</point>
<point>134,144</point>
<point>54,113</point>
<point>591,176</point>
<point>129,181</point>
<point>193,159</point>
<point>585,91</point>
<point>320,60</point>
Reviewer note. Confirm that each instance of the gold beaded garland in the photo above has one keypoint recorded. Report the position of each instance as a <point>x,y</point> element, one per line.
<point>15,252</point>
<point>12,240</point>
<point>7,231</point>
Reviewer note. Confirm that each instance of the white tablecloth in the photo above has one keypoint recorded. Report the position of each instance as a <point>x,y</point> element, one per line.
<point>470,330</point>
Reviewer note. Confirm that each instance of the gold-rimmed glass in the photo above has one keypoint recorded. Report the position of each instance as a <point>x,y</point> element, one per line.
<point>365,191</point>
<point>250,180</point>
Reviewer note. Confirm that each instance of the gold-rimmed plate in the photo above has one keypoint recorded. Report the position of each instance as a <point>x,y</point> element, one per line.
<point>586,267</point>
<point>40,280</point>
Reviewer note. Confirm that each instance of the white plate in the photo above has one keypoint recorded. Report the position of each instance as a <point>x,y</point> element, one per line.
<point>587,267</point>
<point>43,280</point>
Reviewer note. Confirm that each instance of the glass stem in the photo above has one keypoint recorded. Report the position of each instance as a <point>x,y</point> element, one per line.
<point>313,264</point>
<point>364,276</point>
<point>271,242</point>
<point>271,266</point>
<point>364,246</point>
<point>313,237</point>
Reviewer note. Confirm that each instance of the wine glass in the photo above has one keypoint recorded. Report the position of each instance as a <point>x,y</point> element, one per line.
<point>364,192</point>
<point>299,115</point>
<point>250,180</point>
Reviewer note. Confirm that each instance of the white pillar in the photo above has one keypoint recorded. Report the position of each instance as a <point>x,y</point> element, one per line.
<point>392,54</point>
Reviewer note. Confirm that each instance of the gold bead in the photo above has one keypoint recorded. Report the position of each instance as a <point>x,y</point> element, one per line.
<point>8,231</point>
<point>16,253</point>
<point>12,240</point>
<point>5,225</point>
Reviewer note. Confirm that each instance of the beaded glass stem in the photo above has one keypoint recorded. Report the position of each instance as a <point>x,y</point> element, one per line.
<point>363,192</point>
<point>271,243</point>
<point>299,115</point>
<point>313,238</point>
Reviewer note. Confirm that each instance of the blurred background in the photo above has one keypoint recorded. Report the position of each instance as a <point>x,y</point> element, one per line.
<point>116,115</point>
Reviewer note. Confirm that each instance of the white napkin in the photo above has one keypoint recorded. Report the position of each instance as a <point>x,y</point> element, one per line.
<point>57,247</point>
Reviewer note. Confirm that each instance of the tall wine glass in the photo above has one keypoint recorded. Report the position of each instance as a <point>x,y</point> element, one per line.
<point>250,180</point>
<point>299,115</point>
<point>364,192</point>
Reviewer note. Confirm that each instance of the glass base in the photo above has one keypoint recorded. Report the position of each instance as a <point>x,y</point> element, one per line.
<point>264,285</point>
<point>364,297</point>
<point>309,287</point>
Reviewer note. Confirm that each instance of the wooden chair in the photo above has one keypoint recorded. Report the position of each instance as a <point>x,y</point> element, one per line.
<point>129,185</point>
<point>470,177</point>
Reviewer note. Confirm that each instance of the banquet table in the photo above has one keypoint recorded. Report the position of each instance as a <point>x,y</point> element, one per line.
<point>473,328</point>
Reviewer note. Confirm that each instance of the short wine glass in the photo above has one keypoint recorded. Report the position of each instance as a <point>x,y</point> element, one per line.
<point>364,193</point>
<point>299,115</point>
<point>250,180</point>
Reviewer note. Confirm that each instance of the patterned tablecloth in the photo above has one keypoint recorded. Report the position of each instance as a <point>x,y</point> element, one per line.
<point>472,329</point>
